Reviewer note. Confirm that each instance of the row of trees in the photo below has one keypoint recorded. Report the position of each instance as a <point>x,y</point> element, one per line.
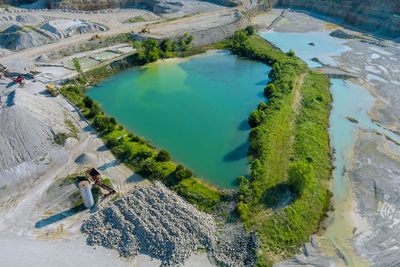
<point>150,50</point>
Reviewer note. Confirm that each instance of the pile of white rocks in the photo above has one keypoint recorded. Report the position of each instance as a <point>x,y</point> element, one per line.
<point>152,220</point>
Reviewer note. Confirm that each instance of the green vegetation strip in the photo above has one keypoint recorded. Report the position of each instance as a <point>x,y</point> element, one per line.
<point>286,197</point>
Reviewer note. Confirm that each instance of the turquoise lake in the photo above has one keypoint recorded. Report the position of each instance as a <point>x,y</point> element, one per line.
<point>196,108</point>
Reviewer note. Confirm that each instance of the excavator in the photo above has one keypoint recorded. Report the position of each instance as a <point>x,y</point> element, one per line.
<point>17,78</point>
<point>95,37</point>
<point>52,89</point>
<point>145,30</point>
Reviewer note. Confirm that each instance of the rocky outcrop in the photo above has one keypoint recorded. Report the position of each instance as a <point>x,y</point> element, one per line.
<point>382,15</point>
<point>16,2</point>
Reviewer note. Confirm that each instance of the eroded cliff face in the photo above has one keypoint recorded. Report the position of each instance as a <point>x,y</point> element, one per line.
<point>16,2</point>
<point>157,6</point>
<point>372,14</point>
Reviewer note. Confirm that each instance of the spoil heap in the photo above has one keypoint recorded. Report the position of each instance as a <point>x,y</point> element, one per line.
<point>152,220</point>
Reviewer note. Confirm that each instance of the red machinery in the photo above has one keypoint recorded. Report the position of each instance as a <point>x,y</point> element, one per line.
<point>15,78</point>
<point>96,177</point>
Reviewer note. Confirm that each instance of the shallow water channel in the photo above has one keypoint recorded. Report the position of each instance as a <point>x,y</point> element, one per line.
<point>196,108</point>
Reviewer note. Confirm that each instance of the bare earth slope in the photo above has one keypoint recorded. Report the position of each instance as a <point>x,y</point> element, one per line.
<point>382,15</point>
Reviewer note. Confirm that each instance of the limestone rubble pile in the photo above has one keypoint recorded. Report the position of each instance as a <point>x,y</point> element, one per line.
<point>153,220</point>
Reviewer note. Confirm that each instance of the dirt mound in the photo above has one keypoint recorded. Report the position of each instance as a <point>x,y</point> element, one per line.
<point>86,159</point>
<point>21,39</point>
<point>24,136</point>
<point>42,58</point>
<point>20,20</point>
<point>63,28</point>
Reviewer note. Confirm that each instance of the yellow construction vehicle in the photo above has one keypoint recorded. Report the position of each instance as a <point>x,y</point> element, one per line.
<point>52,89</point>
<point>145,30</point>
<point>95,37</point>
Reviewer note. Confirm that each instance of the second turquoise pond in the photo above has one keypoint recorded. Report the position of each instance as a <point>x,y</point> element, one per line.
<point>196,108</point>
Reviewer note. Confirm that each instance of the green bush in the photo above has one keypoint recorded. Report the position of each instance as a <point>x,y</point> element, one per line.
<point>182,173</point>
<point>88,101</point>
<point>249,30</point>
<point>270,90</point>
<point>150,50</point>
<point>103,123</point>
<point>243,211</point>
<point>77,65</point>
<point>165,45</point>
<point>300,176</point>
<point>113,120</point>
<point>163,155</point>
<point>60,138</point>
<point>255,118</point>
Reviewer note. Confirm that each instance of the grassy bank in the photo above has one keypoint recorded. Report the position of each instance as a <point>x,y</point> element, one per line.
<point>286,196</point>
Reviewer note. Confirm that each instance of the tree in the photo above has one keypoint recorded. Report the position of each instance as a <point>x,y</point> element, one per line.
<point>165,45</point>
<point>255,118</point>
<point>300,176</point>
<point>174,45</point>
<point>150,50</point>
<point>77,65</point>
<point>291,53</point>
<point>270,90</point>
<point>137,45</point>
<point>113,121</point>
<point>249,30</point>
<point>182,45</point>
<point>238,40</point>
<point>127,151</point>
<point>103,123</point>
<point>163,155</point>
<point>243,211</point>
<point>95,109</point>
<point>189,40</point>
<point>88,101</point>
<point>182,173</point>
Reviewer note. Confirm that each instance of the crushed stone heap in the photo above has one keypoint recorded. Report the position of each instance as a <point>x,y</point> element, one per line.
<point>152,220</point>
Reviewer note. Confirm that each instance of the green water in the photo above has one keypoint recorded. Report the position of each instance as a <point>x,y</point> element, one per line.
<point>195,108</point>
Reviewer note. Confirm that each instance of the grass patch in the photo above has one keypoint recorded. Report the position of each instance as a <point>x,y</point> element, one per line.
<point>136,19</point>
<point>107,182</point>
<point>204,197</point>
